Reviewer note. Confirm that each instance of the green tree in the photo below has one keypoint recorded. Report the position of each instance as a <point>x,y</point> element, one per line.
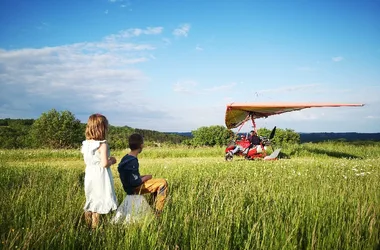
<point>118,137</point>
<point>282,136</point>
<point>55,129</point>
<point>14,133</point>
<point>211,136</point>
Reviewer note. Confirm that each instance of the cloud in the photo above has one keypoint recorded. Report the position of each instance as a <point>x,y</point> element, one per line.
<point>337,59</point>
<point>82,77</point>
<point>43,26</point>
<point>372,117</point>
<point>106,12</point>
<point>221,87</point>
<point>130,33</point>
<point>123,3</point>
<point>166,41</point>
<point>192,87</point>
<point>185,86</point>
<point>288,89</point>
<point>198,48</point>
<point>182,30</point>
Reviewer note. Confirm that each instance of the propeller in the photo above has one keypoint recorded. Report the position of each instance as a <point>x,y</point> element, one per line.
<point>271,136</point>
<point>272,133</point>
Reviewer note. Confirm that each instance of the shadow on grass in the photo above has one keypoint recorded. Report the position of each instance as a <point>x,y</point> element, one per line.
<point>335,154</point>
<point>365,143</point>
<point>283,155</point>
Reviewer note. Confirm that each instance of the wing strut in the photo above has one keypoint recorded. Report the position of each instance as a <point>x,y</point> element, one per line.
<point>254,124</point>
<point>245,120</point>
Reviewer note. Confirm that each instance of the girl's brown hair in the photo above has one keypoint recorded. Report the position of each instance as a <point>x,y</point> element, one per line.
<point>97,127</point>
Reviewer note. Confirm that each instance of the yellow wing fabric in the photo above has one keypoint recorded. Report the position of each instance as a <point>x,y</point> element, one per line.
<point>237,113</point>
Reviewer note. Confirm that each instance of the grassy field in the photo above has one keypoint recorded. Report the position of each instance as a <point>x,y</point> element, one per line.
<point>321,196</point>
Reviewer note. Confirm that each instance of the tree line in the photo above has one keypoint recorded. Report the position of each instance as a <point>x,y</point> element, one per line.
<point>221,136</point>
<point>61,130</point>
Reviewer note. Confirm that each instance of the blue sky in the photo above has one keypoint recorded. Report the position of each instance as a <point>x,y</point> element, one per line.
<point>175,65</point>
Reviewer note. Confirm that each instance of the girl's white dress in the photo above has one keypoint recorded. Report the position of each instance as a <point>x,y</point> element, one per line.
<point>98,181</point>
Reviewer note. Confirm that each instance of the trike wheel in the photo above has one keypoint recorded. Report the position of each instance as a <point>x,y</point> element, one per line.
<point>229,157</point>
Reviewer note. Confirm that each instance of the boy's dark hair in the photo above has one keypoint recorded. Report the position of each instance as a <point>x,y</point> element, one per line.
<point>135,141</point>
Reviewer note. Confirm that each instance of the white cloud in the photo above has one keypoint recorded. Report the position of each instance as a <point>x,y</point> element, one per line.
<point>129,33</point>
<point>166,41</point>
<point>192,87</point>
<point>288,88</point>
<point>198,48</point>
<point>182,30</point>
<point>106,12</point>
<point>43,26</point>
<point>337,59</point>
<point>123,3</point>
<point>185,86</point>
<point>221,87</point>
<point>81,77</point>
<point>372,117</point>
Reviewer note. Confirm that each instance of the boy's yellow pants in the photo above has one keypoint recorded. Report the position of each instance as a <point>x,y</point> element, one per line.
<point>157,187</point>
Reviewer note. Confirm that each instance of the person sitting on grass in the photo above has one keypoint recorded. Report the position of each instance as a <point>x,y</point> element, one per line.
<point>133,182</point>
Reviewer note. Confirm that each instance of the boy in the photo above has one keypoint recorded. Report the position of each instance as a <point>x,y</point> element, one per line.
<point>133,182</point>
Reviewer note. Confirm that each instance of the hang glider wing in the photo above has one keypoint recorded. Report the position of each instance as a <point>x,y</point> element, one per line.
<point>237,113</point>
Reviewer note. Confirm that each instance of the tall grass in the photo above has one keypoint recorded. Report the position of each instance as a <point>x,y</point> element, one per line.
<point>323,197</point>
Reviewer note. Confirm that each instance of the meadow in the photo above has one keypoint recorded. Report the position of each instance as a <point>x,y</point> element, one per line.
<point>318,196</point>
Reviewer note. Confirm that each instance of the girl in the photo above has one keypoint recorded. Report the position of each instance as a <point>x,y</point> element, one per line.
<point>98,180</point>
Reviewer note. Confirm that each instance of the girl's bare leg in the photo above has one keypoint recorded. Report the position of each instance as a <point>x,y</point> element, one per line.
<point>95,220</point>
<point>88,218</point>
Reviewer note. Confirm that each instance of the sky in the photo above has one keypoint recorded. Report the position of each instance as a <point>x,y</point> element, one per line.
<point>174,65</point>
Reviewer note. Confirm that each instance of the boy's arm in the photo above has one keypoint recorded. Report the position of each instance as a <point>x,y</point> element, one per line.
<point>135,178</point>
<point>144,178</point>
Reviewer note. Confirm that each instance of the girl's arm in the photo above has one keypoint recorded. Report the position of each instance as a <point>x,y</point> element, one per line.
<point>104,161</point>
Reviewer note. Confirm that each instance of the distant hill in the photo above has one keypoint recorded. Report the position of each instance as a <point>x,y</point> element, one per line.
<point>319,137</point>
<point>186,134</point>
<point>15,133</point>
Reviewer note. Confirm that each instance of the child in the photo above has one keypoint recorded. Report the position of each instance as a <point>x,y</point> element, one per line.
<point>98,180</point>
<point>130,177</point>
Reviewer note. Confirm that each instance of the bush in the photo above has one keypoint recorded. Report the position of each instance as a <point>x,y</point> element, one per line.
<point>14,133</point>
<point>210,136</point>
<point>282,136</point>
<point>57,130</point>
